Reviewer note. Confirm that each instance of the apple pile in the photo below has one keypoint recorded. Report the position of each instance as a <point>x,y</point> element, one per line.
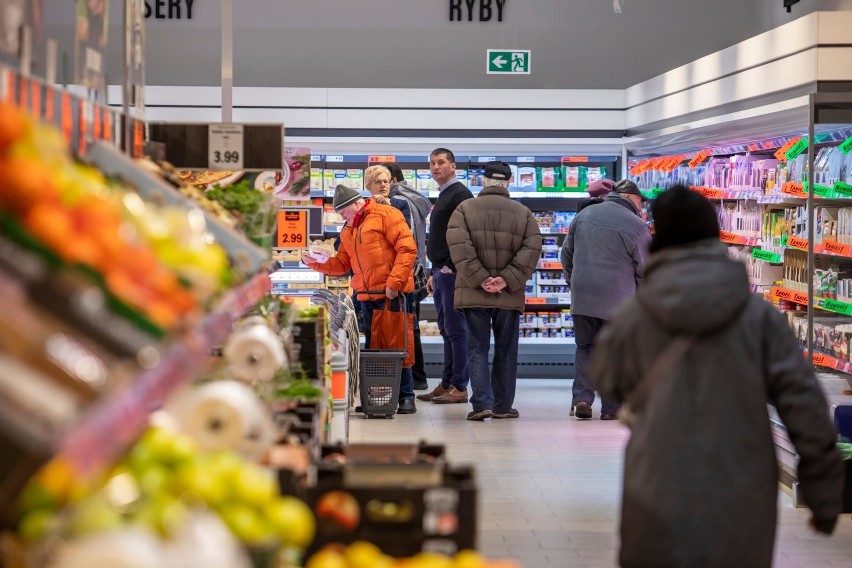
<point>158,260</point>
<point>363,554</point>
<point>156,486</point>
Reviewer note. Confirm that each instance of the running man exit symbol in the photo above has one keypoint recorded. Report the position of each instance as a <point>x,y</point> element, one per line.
<point>508,62</point>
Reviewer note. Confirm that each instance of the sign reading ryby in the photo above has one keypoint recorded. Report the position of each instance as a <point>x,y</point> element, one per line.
<point>477,10</point>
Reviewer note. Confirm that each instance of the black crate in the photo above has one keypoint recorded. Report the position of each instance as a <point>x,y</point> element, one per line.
<point>400,518</point>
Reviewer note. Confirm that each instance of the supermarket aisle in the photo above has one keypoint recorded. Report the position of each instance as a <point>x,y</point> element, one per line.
<point>549,485</point>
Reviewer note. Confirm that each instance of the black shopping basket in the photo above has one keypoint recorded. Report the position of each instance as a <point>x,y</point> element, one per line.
<point>380,371</point>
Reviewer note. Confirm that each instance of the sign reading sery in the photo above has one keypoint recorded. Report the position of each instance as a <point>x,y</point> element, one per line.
<point>509,62</point>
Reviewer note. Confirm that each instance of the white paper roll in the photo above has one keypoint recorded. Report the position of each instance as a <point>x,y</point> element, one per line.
<point>254,353</point>
<point>227,415</point>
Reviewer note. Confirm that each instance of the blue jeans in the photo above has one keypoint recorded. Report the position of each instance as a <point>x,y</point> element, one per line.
<point>406,379</point>
<point>586,329</point>
<point>496,390</point>
<point>453,329</point>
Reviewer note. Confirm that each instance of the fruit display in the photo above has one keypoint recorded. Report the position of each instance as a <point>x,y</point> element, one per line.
<point>157,486</point>
<point>160,261</point>
<point>363,554</point>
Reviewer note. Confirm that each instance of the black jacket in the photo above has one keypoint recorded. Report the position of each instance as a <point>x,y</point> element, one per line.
<point>436,245</point>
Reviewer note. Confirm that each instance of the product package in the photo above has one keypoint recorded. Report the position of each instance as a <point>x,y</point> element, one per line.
<point>332,178</point>
<point>316,179</point>
<point>547,178</point>
<point>571,178</point>
<point>355,179</point>
<point>425,181</point>
<point>461,175</point>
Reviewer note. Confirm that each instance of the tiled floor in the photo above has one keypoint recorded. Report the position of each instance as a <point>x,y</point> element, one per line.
<point>549,485</point>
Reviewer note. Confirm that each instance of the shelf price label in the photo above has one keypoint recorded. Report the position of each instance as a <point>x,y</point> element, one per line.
<point>381,159</point>
<point>846,145</point>
<point>781,154</point>
<point>821,190</point>
<point>823,360</point>
<point>796,149</point>
<point>794,189</point>
<point>833,247</point>
<point>789,295</point>
<point>551,266</point>
<point>293,229</point>
<point>797,243</point>
<point>843,188</point>
<point>836,307</point>
<point>766,256</point>
<point>225,147</point>
<point>536,301</point>
<point>732,238</point>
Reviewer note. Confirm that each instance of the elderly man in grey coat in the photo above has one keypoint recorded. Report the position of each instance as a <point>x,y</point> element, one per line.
<point>495,244</point>
<point>697,359</point>
<point>603,257</point>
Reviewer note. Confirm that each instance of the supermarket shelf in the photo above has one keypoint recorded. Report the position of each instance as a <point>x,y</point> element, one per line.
<point>544,231</point>
<point>113,425</point>
<point>548,300</point>
<point>829,362</point>
<point>433,194</point>
<point>801,298</point>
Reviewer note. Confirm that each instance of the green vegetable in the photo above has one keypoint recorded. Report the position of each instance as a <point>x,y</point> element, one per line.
<point>252,207</point>
<point>300,389</point>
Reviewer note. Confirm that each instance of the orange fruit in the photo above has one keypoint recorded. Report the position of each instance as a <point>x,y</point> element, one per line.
<point>51,225</point>
<point>162,314</point>
<point>93,211</point>
<point>25,182</point>
<point>84,250</point>
<point>13,125</point>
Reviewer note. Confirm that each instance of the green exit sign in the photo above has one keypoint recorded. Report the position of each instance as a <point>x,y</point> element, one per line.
<point>508,62</point>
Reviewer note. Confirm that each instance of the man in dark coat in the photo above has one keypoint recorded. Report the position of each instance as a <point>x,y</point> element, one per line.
<point>700,471</point>
<point>495,243</point>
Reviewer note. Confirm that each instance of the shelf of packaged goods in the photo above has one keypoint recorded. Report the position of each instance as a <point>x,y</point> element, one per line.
<point>433,194</point>
<point>554,341</point>
<point>801,298</point>
<point>560,300</point>
<point>110,427</point>
<point>826,247</point>
<point>544,231</point>
<point>730,194</point>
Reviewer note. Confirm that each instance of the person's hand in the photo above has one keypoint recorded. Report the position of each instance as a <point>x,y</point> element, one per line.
<point>391,293</point>
<point>381,199</point>
<point>823,526</point>
<point>430,286</point>
<point>487,284</point>
<point>306,258</point>
<point>497,285</point>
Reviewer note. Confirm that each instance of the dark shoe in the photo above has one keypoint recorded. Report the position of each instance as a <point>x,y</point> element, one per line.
<point>452,396</point>
<point>511,413</point>
<point>407,406</point>
<point>583,410</point>
<point>479,415</point>
<point>359,408</point>
<point>609,417</point>
<point>418,386</point>
<point>437,391</point>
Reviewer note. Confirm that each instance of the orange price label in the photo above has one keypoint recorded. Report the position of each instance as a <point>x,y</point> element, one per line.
<point>138,138</point>
<point>795,189</point>
<point>730,238</point>
<point>711,193</point>
<point>107,124</point>
<point>699,157</point>
<point>834,247</point>
<point>781,153</point>
<point>580,159</point>
<point>67,119</point>
<point>797,242</point>
<point>82,129</point>
<point>551,266</point>
<point>36,100</point>
<point>789,295</point>
<point>48,104</point>
<point>536,301</point>
<point>823,360</point>
<point>293,229</point>
<point>10,87</point>
<point>381,159</point>
<point>96,125</point>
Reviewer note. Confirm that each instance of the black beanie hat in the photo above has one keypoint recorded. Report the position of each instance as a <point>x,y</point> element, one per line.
<point>682,216</point>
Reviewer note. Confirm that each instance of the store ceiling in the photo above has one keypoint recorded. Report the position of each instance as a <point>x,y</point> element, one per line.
<point>576,44</point>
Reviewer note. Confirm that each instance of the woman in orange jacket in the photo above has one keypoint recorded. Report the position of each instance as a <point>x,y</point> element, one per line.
<point>377,245</point>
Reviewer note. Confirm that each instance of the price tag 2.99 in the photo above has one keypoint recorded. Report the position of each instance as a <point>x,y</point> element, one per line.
<point>225,147</point>
<point>293,229</point>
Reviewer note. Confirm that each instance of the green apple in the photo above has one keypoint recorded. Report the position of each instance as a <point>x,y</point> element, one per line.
<point>35,524</point>
<point>201,482</point>
<point>254,485</point>
<point>293,521</point>
<point>164,515</point>
<point>247,524</point>
<point>94,515</point>
<point>154,480</point>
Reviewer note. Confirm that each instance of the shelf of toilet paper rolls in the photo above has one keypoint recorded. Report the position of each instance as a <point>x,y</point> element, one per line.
<point>109,428</point>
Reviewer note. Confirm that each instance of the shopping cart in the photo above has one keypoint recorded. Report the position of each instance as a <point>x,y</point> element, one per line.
<point>380,370</point>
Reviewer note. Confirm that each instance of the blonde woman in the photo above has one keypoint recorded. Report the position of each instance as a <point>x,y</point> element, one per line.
<point>377,180</point>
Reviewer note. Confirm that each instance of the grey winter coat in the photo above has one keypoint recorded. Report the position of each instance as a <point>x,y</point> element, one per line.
<point>489,236</point>
<point>700,472</point>
<point>603,256</point>
<point>420,207</point>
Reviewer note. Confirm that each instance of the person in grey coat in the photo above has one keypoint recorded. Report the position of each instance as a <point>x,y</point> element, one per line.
<point>495,244</point>
<point>603,257</point>
<point>700,483</point>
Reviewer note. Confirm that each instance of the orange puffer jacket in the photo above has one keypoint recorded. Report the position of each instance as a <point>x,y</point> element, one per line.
<point>380,252</point>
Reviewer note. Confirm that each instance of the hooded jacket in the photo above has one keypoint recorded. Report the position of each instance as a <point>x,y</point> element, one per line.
<point>420,207</point>
<point>492,235</point>
<point>603,256</point>
<point>700,483</point>
<point>380,251</point>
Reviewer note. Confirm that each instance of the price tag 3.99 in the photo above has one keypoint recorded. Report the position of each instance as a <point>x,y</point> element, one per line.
<point>225,147</point>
